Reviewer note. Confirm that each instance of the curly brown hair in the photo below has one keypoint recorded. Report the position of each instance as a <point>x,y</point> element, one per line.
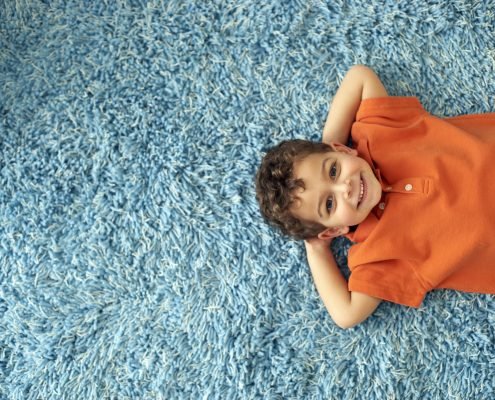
<point>275,186</point>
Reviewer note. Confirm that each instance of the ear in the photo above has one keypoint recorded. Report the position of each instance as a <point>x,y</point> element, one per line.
<point>342,148</point>
<point>331,233</point>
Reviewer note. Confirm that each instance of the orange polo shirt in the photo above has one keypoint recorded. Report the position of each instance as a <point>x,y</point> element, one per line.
<point>435,224</point>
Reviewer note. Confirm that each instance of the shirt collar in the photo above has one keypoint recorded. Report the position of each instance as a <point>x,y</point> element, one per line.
<point>364,228</point>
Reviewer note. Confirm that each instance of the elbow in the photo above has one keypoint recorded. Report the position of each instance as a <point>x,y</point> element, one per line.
<point>347,321</point>
<point>346,324</point>
<point>342,323</point>
<point>360,68</point>
<point>343,319</point>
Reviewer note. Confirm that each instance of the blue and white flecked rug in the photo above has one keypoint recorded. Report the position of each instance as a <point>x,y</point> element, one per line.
<point>133,260</point>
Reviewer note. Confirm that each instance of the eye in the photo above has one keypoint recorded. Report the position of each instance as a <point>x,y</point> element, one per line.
<point>330,204</point>
<point>333,171</point>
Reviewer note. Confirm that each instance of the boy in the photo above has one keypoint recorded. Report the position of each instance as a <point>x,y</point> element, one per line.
<point>416,194</point>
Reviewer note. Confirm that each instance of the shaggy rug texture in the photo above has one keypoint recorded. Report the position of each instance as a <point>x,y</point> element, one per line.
<point>134,263</point>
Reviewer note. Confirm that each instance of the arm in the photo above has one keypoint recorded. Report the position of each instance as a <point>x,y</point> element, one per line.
<point>359,83</point>
<point>346,308</point>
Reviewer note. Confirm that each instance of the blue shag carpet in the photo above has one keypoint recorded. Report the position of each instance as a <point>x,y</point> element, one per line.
<point>133,260</point>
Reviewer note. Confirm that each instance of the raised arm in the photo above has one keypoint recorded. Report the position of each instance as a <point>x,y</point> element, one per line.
<point>359,83</point>
<point>347,309</point>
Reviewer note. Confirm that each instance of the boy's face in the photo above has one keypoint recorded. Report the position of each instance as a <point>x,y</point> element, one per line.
<point>340,190</point>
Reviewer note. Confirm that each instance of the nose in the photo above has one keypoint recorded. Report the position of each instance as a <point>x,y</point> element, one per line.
<point>343,187</point>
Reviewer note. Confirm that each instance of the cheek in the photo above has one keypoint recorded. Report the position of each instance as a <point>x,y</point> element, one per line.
<point>349,216</point>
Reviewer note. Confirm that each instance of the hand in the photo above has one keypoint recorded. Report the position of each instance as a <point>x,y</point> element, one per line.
<point>316,243</point>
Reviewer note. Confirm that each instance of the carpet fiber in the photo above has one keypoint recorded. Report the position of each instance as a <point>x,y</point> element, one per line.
<point>133,260</point>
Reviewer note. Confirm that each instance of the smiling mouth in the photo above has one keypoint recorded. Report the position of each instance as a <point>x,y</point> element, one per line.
<point>363,191</point>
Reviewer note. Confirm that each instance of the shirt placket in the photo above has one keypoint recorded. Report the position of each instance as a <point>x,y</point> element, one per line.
<point>407,186</point>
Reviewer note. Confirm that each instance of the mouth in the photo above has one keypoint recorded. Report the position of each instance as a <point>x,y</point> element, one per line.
<point>363,191</point>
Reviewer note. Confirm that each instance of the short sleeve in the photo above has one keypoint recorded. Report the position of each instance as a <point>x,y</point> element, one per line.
<point>388,116</point>
<point>393,280</point>
<point>391,108</point>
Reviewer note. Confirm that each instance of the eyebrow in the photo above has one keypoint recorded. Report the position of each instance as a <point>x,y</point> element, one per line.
<point>323,169</point>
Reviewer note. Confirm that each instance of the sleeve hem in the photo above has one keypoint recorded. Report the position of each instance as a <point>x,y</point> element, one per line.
<point>370,105</point>
<point>406,299</point>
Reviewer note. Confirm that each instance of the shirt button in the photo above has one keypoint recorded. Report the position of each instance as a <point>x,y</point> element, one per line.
<point>408,187</point>
<point>381,206</point>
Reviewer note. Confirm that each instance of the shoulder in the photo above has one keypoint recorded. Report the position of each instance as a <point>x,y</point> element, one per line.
<point>390,106</point>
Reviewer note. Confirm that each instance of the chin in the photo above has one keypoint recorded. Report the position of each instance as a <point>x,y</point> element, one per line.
<point>364,217</point>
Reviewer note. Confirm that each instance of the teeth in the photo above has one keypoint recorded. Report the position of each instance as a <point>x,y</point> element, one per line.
<point>361,192</point>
